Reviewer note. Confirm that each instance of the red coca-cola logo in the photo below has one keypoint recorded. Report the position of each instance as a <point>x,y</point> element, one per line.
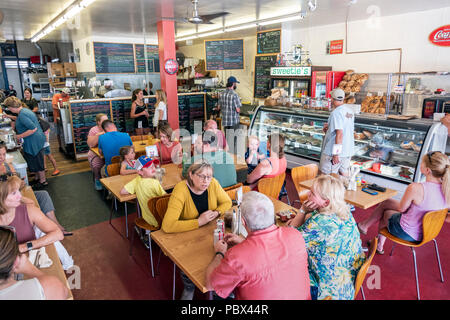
<point>441,36</point>
<point>171,66</point>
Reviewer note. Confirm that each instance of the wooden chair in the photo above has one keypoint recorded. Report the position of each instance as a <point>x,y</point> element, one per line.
<point>432,225</point>
<point>364,268</point>
<point>271,187</point>
<point>139,138</point>
<point>232,192</point>
<point>303,173</point>
<point>143,225</point>
<point>237,185</point>
<point>115,159</point>
<point>113,169</point>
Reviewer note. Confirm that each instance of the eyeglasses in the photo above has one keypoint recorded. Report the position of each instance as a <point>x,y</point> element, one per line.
<point>203,177</point>
<point>10,228</point>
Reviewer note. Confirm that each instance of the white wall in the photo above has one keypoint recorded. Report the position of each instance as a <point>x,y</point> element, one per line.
<point>408,31</point>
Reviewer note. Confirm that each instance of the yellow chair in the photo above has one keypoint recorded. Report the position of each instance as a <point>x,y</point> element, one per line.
<point>113,169</point>
<point>303,173</point>
<point>432,225</point>
<point>143,225</point>
<point>271,187</point>
<point>140,137</point>
<point>364,268</point>
<point>232,192</point>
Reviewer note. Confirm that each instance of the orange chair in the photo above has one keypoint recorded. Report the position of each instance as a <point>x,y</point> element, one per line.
<point>364,268</point>
<point>139,138</point>
<point>232,192</point>
<point>113,169</point>
<point>432,225</point>
<point>303,173</point>
<point>158,212</point>
<point>271,187</point>
<point>115,159</point>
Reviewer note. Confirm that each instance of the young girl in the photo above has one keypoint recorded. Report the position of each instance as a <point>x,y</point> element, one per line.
<point>127,156</point>
<point>404,218</point>
<point>160,108</point>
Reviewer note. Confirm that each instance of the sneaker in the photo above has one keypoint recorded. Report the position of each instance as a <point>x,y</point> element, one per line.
<point>56,172</point>
<point>146,241</point>
<point>98,185</point>
<point>352,208</point>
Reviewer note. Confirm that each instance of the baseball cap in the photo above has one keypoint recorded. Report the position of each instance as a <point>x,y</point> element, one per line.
<point>144,162</point>
<point>66,90</point>
<point>338,94</point>
<point>232,80</point>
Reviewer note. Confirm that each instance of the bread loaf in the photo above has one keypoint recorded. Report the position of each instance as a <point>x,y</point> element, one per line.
<point>350,71</point>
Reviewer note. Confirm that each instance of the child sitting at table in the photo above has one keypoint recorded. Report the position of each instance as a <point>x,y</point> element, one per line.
<point>145,186</point>
<point>127,165</point>
<point>254,154</point>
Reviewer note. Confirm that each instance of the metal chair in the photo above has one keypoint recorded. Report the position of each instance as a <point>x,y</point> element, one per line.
<point>432,225</point>
<point>303,173</point>
<point>364,268</point>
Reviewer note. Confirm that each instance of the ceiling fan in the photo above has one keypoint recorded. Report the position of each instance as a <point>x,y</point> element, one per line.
<point>196,18</point>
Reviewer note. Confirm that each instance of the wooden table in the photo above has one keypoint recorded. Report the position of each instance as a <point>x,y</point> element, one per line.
<point>138,146</point>
<point>192,251</point>
<point>360,198</point>
<point>56,268</point>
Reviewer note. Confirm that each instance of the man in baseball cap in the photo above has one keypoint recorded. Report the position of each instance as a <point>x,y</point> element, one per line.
<point>57,101</point>
<point>232,80</point>
<point>145,162</point>
<point>338,143</point>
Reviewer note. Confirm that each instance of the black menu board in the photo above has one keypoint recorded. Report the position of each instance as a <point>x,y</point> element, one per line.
<point>191,109</point>
<point>262,75</point>
<point>224,54</point>
<point>152,58</point>
<point>83,119</point>
<point>268,42</point>
<point>114,57</point>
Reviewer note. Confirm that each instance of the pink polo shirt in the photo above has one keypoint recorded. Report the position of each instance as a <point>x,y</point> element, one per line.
<point>271,264</point>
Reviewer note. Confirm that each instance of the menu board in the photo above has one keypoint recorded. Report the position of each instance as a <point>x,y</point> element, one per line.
<point>152,58</point>
<point>262,75</point>
<point>121,110</point>
<point>191,108</point>
<point>83,119</point>
<point>114,57</point>
<point>224,54</point>
<point>268,42</point>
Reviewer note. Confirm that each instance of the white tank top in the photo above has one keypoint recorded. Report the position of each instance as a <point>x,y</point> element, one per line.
<point>30,289</point>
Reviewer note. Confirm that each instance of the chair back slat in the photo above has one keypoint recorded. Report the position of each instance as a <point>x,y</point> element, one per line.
<point>432,224</point>
<point>113,169</point>
<point>152,206</point>
<point>271,187</point>
<point>303,173</point>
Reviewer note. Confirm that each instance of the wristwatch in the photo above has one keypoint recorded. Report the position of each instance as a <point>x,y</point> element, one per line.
<point>29,245</point>
<point>302,211</point>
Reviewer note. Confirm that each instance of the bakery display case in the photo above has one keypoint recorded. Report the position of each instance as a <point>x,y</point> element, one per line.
<point>384,149</point>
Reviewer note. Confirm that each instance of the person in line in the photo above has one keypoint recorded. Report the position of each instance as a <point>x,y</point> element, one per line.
<point>30,102</point>
<point>110,143</point>
<point>271,166</point>
<point>12,92</point>
<point>38,286</point>
<point>403,218</point>
<point>230,105</point>
<point>94,160</point>
<point>148,90</point>
<point>29,129</point>
<point>47,151</point>
<point>211,126</point>
<point>160,108</point>
<point>270,264</point>
<point>333,242</point>
<point>169,151</point>
<point>205,148</point>
<point>339,142</point>
<point>24,217</point>
<point>145,186</point>
<point>254,153</point>
<point>42,196</point>
<point>194,202</point>
<point>128,162</point>
<point>57,102</point>
<point>139,113</point>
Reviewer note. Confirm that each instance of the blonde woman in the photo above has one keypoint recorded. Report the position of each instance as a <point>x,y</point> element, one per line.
<point>404,218</point>
<point>160,108</point>
<point>332,240</point>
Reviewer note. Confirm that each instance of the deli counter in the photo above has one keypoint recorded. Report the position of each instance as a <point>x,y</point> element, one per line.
<point>387,151</point>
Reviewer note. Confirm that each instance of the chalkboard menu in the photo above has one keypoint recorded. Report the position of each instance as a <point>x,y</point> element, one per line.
<point>121,110</point>
<point>262,75</point>
<point>152,58</point>
<point>114,57</point>
<point>191,108</point>
<point>224,54</point>
<point>268,42</point>
<point>83,119</point>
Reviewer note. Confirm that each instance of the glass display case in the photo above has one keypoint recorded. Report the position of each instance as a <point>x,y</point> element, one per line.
<point>388,149</point>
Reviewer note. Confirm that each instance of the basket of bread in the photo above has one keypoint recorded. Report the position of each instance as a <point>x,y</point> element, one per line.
<point>375,104</point>
<point>352,82</point>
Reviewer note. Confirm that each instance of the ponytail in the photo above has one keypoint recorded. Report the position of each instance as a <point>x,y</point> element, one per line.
<point>439,165</point>
<point>446,184</point>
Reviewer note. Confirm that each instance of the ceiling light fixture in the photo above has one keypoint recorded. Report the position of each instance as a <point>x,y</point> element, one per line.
<point>240,27</point>
<point>273,21</point>
<point>312,5</point>
<point>62,17</point>
<point>211,33</point>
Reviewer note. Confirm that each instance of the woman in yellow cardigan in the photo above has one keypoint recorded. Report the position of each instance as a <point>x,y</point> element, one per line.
<point>193,203</point>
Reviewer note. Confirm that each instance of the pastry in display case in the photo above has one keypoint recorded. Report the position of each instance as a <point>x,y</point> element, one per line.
<point>387,149</point>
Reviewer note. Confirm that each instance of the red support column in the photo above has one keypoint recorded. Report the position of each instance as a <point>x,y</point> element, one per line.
<point>166,42</point>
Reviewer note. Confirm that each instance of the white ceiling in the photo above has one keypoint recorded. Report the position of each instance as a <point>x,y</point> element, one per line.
<point>119,18</point>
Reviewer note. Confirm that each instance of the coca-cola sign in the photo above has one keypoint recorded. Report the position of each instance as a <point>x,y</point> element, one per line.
<point>441,36</point>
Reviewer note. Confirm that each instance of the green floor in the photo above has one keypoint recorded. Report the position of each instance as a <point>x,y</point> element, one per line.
<point>78,204</point>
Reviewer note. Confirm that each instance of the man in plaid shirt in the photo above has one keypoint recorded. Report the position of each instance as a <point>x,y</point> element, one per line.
<point>230,105</point>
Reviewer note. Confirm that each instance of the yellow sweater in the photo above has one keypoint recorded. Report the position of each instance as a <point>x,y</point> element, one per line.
<point>182,215</point>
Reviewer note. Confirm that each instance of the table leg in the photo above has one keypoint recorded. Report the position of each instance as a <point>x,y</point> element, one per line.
<point>173,286</point>
<point>126,219</point>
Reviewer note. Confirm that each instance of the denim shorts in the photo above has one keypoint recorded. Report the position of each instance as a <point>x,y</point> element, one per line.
<point>47,150</point>
<point>396,230</point>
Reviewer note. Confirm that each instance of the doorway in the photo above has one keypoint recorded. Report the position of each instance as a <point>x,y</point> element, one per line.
<point>11,74</point>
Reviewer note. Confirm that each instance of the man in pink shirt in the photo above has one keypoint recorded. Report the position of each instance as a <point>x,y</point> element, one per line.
<point>270,264</point>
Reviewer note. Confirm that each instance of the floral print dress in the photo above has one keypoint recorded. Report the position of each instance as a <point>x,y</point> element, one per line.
<point>334,254</point>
